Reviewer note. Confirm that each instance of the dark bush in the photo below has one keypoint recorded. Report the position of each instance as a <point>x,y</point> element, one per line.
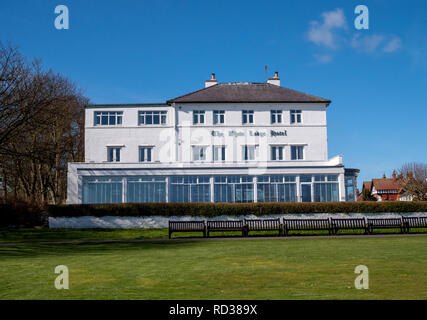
<point>18,213</point>
<point>230,209</point>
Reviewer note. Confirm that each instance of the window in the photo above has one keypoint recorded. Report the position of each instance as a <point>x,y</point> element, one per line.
<point>296,116</point>
<point>145,154</point>
<point>277,189</point>
<point>151,117</point>
<point>247,116</point>
<point>198,117</point>
<point>349,189</point>
<point>219,153</point>
<point>276,116</point>
<point>199,153</point>
<point>190,189</point>
<point>233,189</point>
<point>218,116</point>
<point>146,189</point>
<point>276,153</point>
<point>102,190</point>
<point>297,152</point>
<point>248,153</point>
<point>108,118</point>
<point>113,154</point>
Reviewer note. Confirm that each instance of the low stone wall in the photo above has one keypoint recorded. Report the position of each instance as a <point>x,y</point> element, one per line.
<point>152,222</point>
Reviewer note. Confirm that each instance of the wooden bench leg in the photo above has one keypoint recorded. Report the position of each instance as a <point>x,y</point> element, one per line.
<point>170,234</point>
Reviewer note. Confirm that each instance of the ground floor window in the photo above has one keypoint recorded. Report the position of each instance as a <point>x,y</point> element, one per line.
<point>349,189</point>
<point>146,189</point>
<point>190,189</point>
<point>277,189</point>
<point>227,188</point>
<point>102,190</point>
<point>233,189</point>
<point>325,188</point>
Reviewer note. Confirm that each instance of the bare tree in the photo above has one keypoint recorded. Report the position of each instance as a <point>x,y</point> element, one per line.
<point>413,179</point>
<point>41,128</point>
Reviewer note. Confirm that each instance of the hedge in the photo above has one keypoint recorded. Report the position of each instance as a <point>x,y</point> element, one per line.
<point>230,209</point>
<point>20,214</point>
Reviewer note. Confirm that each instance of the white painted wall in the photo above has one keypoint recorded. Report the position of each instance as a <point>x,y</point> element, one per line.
<point>152,222</point>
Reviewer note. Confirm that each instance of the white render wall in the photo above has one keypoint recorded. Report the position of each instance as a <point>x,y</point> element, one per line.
<point>173,142</point>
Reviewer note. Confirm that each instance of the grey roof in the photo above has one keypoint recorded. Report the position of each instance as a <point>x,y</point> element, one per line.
<point>247,92</point>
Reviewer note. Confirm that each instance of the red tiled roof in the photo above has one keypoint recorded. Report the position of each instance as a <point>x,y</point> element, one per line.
<point>367,185</point>
<point>385,184</point>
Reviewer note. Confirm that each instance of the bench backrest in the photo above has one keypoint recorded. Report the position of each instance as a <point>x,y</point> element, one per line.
<point>306,223</point>
<point>262,223</point>
<point>349,222</point>
<point>186,225</point>
<point>415,221</point>
<point>218,224</point>
<point>385,221</point>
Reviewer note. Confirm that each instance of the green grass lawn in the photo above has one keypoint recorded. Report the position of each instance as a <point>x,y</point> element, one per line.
<point>45,234</point>
<point>255,269</point>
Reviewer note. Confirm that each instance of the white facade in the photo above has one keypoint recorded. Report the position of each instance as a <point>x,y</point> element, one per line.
<point>209,140</point>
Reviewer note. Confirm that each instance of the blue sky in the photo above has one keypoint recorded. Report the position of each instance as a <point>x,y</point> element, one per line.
<point>150,51</point>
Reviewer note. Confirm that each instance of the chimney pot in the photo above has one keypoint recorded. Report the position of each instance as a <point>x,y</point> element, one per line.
<point>275,80</point>
<point>211,82</point>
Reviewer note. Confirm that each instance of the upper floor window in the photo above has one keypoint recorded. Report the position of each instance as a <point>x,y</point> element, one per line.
<point>276,116</point>
<point>296,116</point>
<point>218,116</point>
<point>145,154</point>
<point>151,117</point>
<point>199,153</point>
<point>198,117</point>
<point>108,118</point>
<point>248,153</point>
<point>113,154</point>
<point>219,153</point>
<point>276,153</point>
<point>247,116</point>
<point>297,152</point>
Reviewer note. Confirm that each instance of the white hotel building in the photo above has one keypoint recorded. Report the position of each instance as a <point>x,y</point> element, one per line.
<point>228,142</point>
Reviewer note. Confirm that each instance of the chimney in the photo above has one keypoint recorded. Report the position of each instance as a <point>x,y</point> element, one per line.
<point>394,175</point>
<point>211,82</point>
<point>384,176</point>
<point>275,80</point>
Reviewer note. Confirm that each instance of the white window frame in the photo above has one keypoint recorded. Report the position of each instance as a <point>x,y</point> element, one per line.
<point>278,155</point>
<point>248,153</point>
<point>199,114</point>
<point>220,117</point>
<point>249,115</point>
<point>297,153</point>
<point>109,114</point>
<point>221,154</point>
<point>162,114</point>
<point>196,151</point>
<point>276,115</point>
<point>114,155</point>
<point>297,115</point>
<point>145,153</point>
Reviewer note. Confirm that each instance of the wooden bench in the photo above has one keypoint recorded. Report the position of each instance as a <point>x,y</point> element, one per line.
<point>414,222</point>
<point>226,225</point>
<point>385,223</point>
<point>349,224</point>
<point>187,226</point>
<point>306,225</point>
<point>263,225</point>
